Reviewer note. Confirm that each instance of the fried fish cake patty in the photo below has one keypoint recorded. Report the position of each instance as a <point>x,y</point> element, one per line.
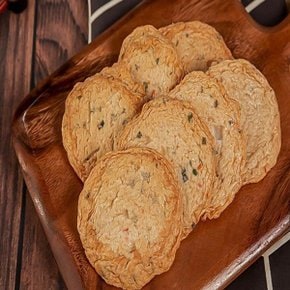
<point>152,60</point>
<point>172,128</point>
<point>130,217</point>
<point>260,118</point>
<point>222,115</point>
<point>121,72</point>
<point>197,44</point>
<point>95,111</point>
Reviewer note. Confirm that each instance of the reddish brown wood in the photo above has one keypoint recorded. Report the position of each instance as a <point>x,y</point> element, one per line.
<point>60,31</point>
<point>38,267</point>
<point>216,251</point>
<point>31,47</point>
<point>15,68</point>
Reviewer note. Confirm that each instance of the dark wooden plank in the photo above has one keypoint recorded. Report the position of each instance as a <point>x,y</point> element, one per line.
<point>39,269</point>
<point>60,32</point>
<point>213,254</point>
<point>16,38</point>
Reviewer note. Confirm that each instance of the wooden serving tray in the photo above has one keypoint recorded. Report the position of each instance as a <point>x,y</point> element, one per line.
<point>216,251</point>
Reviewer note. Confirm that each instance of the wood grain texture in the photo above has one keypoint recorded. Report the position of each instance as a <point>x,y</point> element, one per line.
<point>15,69</point>
<point>60,32</point>
<point>216,251</point>
<point>38,267</point>
<point>31,47</point>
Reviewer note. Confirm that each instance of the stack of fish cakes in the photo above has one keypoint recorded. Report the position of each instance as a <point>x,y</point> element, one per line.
<point>164,138</point>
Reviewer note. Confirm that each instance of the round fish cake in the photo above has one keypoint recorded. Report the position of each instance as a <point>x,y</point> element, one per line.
<point>130,217</point>
<point>197,44</point>
<point>95,111</point>
<point>121,72</point>
<point>172,128</point>
<point>152,60</point>
<point>260,117</point>
<point>222,115</point>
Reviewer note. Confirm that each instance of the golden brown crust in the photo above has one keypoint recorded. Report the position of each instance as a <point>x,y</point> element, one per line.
<point>222,116</point>
<point>95,111</point>
<point>152,60</point>
<point>197,44</point>
<point>260,117</point>
<point>129,217</point>
<point>121,72</point>
<point>172,128</point>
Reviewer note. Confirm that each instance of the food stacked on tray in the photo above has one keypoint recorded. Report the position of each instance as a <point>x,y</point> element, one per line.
<point>163,139</point>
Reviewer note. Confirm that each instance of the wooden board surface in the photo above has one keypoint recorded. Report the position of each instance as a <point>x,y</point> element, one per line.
<point>31,47</point>
<point>216,251</point>
<point>12,91</point>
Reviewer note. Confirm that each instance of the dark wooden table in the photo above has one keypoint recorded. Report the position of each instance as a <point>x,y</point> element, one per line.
<point>32,45</point>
